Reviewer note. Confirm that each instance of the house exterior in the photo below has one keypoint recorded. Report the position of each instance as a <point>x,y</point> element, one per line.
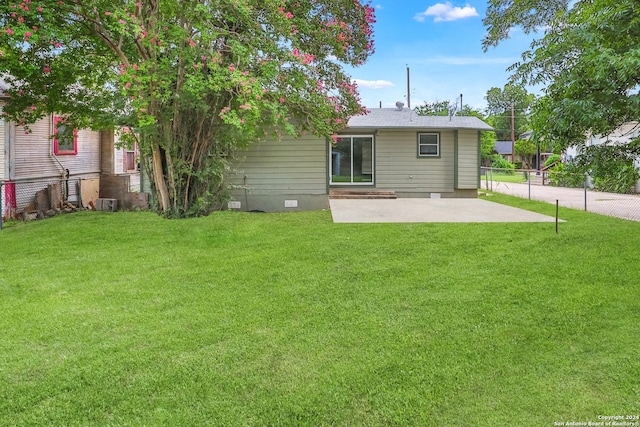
<point>622,135</point>
<point>386,150</point>
<point>503,148</point>
<point>30,161</point>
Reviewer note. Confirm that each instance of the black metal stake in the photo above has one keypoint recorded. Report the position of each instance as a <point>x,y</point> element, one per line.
<point>556,216</point>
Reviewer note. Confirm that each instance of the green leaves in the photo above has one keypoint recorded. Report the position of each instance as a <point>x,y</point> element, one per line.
<point>188,77</point>
<point>587,60</point>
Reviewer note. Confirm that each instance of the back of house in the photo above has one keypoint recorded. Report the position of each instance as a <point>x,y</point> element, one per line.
<point>390,152</point>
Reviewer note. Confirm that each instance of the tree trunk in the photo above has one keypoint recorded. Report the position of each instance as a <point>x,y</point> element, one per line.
<point>158,178</point>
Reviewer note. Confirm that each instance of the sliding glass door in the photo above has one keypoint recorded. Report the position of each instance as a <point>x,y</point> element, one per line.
<point>352,160</point>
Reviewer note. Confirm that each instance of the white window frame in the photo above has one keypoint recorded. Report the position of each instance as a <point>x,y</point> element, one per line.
<point>421,144</point>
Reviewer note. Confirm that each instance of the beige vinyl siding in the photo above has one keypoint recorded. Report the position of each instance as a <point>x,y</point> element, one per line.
<point>468,159</point>
<point>34,158</point>
<point>283,167</point>
<point>399,168</point>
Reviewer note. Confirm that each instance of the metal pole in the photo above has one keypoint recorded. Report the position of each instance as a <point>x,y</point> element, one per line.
<point>585,191</point>
<point>1,193</point>
<point>529,181</point>
<point>491,170</point>
<point>513,134</point>
<point>556,216</point>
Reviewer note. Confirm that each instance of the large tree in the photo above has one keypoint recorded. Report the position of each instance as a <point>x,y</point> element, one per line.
<point>587,59</point>
<point>499,108</point>
<point>195,79</point>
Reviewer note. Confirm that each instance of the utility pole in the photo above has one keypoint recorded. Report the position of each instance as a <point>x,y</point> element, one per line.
<point>513,134</point>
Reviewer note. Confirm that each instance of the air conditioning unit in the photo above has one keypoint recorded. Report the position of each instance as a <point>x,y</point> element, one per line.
<point>107,205</point>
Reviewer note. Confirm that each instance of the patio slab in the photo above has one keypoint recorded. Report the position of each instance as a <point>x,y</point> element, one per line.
<point>428,210</point>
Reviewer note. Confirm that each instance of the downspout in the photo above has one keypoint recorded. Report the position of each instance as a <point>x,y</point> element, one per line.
<point>51,152</point>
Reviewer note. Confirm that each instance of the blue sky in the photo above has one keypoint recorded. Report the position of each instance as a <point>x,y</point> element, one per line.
<point>441,43</point>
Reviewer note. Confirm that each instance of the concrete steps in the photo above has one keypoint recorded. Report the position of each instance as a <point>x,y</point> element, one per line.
<point>361,194</point>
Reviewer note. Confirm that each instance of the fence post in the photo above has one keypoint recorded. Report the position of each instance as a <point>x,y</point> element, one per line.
<point>1,209</point>
<point>529,182</point>
<point>585,191</point>
<point>491,171</point>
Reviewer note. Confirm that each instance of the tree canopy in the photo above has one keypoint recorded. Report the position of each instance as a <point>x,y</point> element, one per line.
<point>499,103</point>
<point>587,60</point>
<point>195,79</point>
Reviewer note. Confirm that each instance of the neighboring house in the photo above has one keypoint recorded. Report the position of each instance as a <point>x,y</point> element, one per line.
<point>503,148</point>
<point>620,136</point>
<point>386,150</point>
<point>32,160</point>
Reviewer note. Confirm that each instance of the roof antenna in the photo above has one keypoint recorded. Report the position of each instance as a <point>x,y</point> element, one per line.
<point>408,87</point>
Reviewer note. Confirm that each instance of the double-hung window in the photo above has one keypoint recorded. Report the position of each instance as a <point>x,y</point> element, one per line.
<point>65,140</point>
<point>428,145</point>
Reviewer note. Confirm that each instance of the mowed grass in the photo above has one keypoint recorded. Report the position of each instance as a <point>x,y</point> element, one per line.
<point>289,319</point>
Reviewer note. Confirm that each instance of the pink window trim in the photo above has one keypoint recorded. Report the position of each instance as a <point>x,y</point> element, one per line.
<point>56,150</point>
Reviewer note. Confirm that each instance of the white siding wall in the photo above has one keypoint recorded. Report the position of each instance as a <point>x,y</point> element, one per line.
<point>34,158</point>
<point>468,159</point>
<point>284,167</point>
<point>399,168</point>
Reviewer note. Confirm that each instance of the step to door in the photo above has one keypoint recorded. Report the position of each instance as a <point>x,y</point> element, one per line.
<point>361,194</point>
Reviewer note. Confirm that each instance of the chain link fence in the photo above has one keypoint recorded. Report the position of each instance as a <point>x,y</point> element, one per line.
<point>20,196</point>
<point>570,190</point>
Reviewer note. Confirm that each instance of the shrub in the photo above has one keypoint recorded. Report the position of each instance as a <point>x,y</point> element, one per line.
<point>566,175</point>
<point>499,162</point>
<point>554,158</point>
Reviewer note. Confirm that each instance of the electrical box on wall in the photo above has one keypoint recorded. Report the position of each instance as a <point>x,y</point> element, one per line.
<point>234,204</point>
<point>290,203</point>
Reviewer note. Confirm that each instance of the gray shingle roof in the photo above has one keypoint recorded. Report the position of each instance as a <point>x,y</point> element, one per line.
<point>392,118</point>
<point>502,147</point>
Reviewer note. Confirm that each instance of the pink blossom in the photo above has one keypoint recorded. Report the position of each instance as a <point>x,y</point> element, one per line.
<point>289,15</point>
<point>231,68</point>
<point>282,100</point>
<point>192,43</point>
<point>33,108</point>
<point>46,69</point>
<point>40,9</point>
<point>9,31</point>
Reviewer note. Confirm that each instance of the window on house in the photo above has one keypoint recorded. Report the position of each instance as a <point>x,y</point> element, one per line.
<point>65,140</point>
<point>428,145</point>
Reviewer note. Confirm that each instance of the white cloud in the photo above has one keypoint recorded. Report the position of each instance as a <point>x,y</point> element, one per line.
<point>446,12</point>
<point>373,84</point>
<point>379,6</point>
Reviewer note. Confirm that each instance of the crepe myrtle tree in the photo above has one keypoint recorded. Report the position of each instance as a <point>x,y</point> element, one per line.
<point>195,79</point>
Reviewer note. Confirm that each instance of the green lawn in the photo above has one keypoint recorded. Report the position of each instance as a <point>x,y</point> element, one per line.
<point>289,319</point>
<point>505,177</point>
